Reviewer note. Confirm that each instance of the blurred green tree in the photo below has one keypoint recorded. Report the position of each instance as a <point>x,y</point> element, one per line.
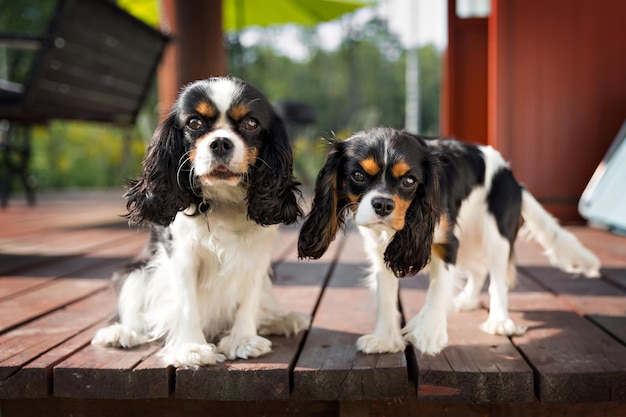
<point>358,85</point>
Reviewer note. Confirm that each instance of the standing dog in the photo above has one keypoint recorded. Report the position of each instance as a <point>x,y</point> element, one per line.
<point>440,203</point>
<point>217,178</point>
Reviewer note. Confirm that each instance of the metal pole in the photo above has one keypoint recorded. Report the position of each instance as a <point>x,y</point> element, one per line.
<point>412,108</point>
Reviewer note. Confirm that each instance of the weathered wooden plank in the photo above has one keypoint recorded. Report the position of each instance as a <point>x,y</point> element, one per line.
<point>297,286</point>
<point>43,299</point>
<point>62,266</point>
<point>11,262</point>
<point>329,367</point>
<point>34,379</point>
<point>475,366</point>
<point>266,377</point>
<point>574,360</point>
<point>25,222</point>
<point>15,285</point>
<point>101,372</point>
<point>174,407</point>
<point>600,301</point>
<point>41,252</point>
<point>63,242</point>
<point>97,264</point>
<point>166,407</point>
<point>121,250</point>
<point>25,343</point>
<point>615,275</point>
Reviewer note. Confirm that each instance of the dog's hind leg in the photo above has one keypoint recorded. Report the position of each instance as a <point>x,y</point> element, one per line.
<point>469,297</point>
<point>273,318</point>
<point>130,330</point>
<point>285,324</point>
<point>501,273</point>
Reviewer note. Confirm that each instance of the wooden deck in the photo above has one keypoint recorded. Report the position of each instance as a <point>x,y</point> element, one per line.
<point>56,258</point>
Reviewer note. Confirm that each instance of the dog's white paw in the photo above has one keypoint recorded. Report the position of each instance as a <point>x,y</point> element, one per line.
<point>428,336</point>
<point>118,335</point>
<point>289,325</point>
<point>503,327</point>
<point>373,343</point>
<point>464,302</point>
<point>193,354</point>
<point>244,348</point>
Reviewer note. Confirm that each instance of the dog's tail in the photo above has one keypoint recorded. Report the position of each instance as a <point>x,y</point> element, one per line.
<point>562,247</point>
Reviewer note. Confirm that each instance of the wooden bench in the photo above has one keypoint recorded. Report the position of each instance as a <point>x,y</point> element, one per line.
<point>76,60</point>
<point>55,260</point>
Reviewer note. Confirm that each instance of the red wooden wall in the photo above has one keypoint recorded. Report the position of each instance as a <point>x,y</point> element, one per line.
<point>464,101</point>
<point>196,50</point>
<point>556,90</point>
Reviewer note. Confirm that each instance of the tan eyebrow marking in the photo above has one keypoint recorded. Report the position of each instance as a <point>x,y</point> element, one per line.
<point>370,166</point>
<point>238,112</point>
<point>399,169</point>
<point>206,109</point>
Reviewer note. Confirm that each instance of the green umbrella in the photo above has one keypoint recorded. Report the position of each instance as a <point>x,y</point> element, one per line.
<point>240,14</point>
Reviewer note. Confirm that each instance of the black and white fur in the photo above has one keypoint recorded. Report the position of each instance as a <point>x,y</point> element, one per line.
<point>451,206</point>
<point>217,179</point>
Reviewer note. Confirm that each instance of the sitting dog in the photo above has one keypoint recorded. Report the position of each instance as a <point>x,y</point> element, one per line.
<point>217,179</point>
<point>442,203</point>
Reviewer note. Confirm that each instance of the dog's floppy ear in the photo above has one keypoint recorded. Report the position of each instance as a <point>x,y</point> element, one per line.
<point>327,211</point>
<point>273,192</point>
<point>409,250</point>
<point>163,188</point>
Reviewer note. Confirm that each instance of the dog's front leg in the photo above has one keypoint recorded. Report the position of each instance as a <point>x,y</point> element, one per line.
<point>186,344</point>
<point>243,340</point>
<point>428,329</point>
<point>386,336</point>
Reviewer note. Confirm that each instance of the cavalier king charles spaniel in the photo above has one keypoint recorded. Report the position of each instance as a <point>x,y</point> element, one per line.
<point>439,203</point>
<point>217,179</point>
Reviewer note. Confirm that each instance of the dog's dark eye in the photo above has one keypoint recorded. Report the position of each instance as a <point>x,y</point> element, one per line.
<point>358,177</point>
<point>409,182</point>
<point>195,124</point>
<point>250,124</point>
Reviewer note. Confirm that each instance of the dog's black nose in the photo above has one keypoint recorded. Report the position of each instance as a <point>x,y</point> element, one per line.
<point>383,206</point>
<point>221,146</point>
